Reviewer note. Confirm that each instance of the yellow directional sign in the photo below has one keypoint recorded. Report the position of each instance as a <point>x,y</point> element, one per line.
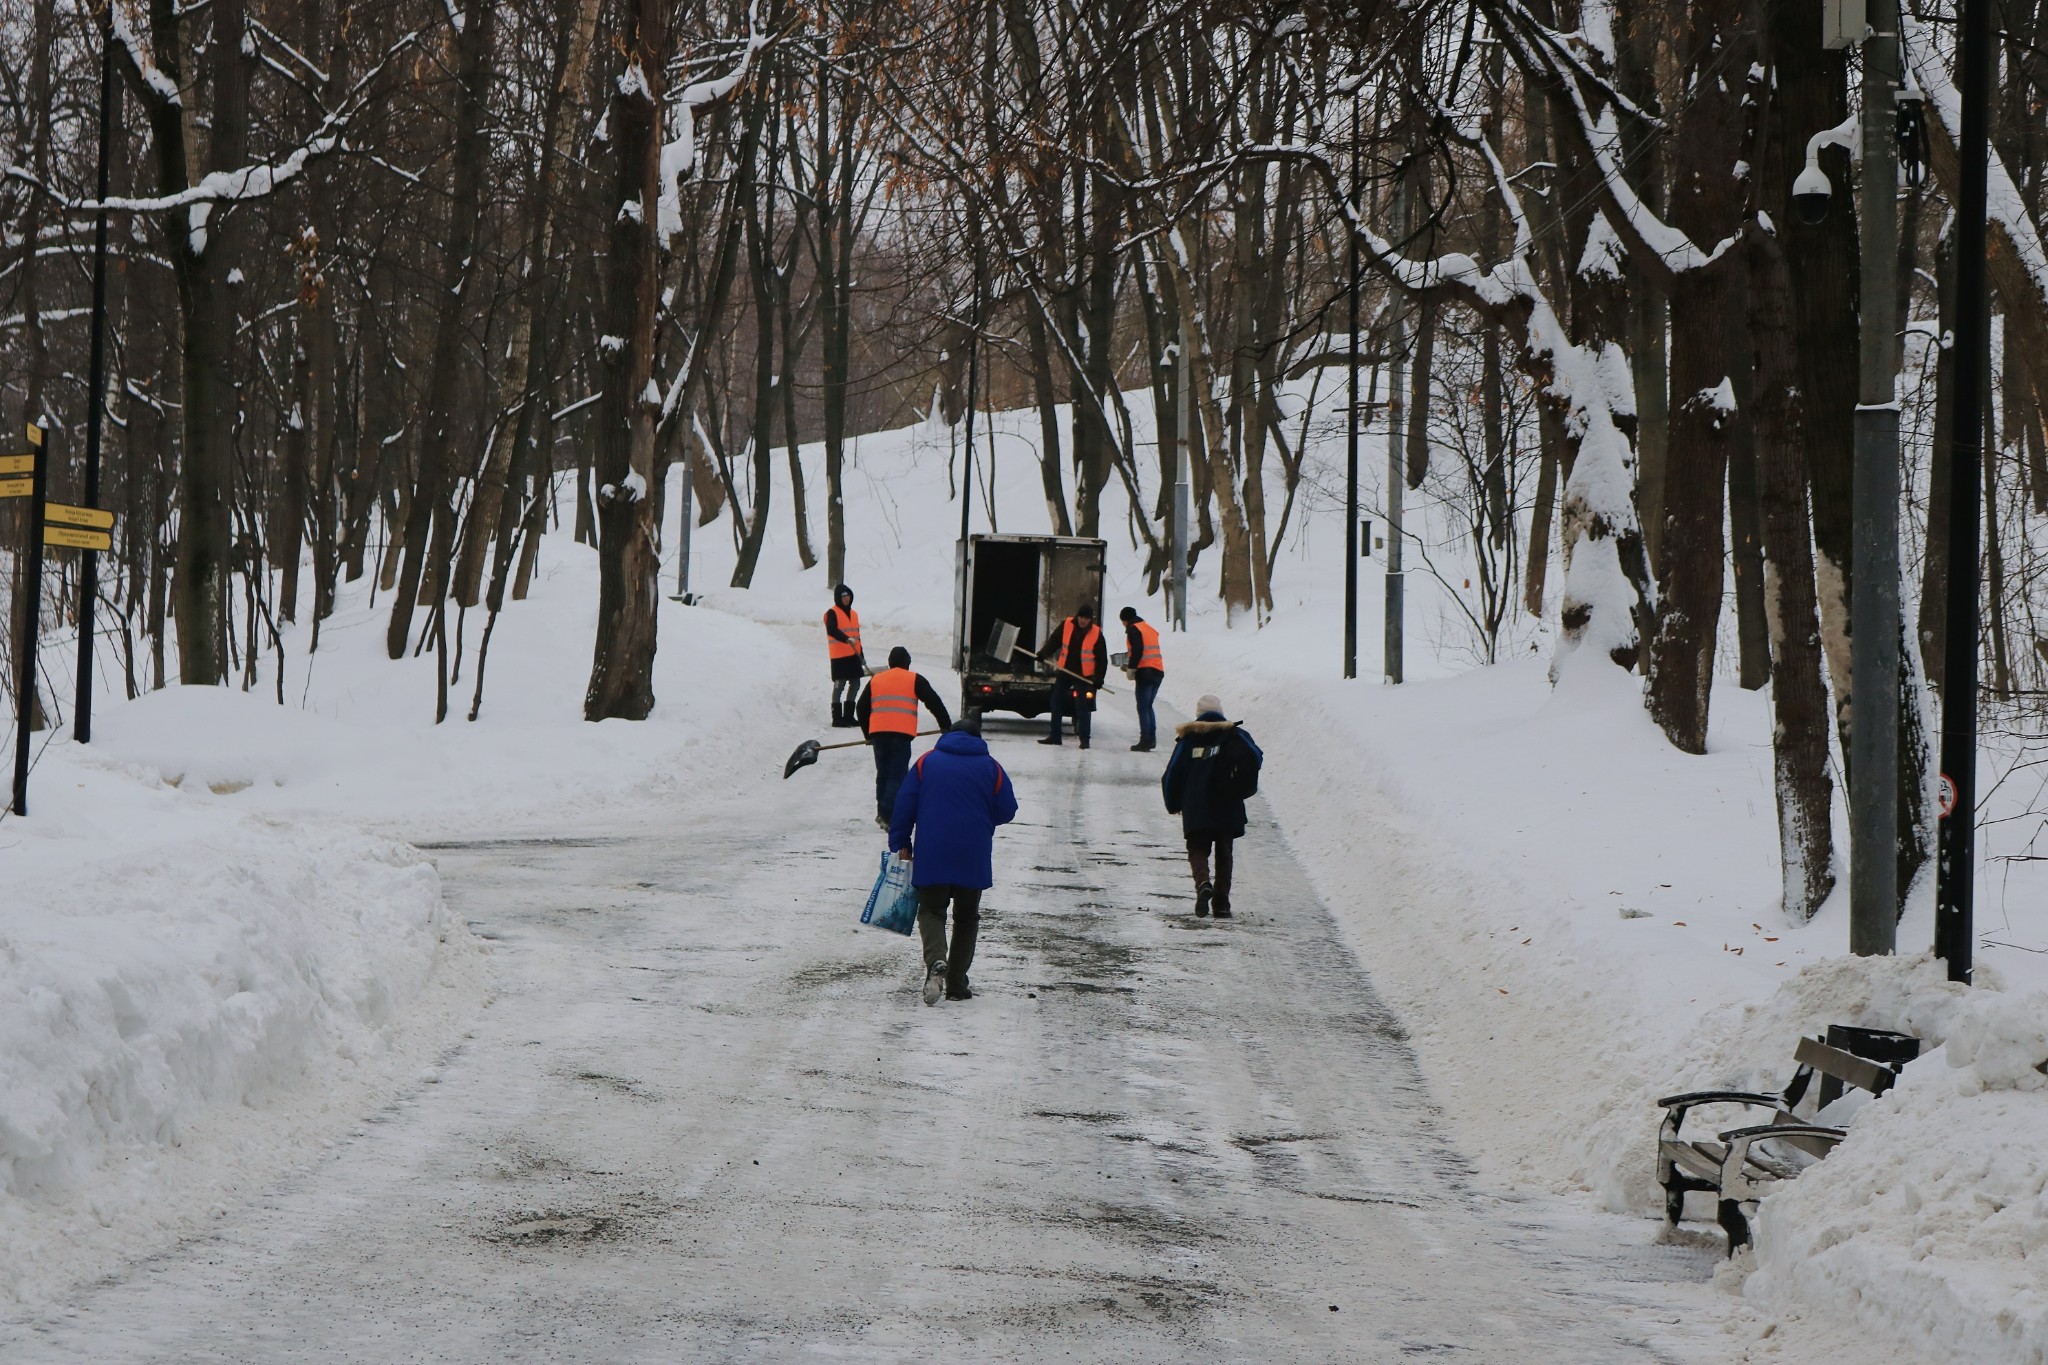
<point>66,514</point>
<point>74,539</point>
<point>35,435</point>
<point>17,488</point>
<point>18,464</point>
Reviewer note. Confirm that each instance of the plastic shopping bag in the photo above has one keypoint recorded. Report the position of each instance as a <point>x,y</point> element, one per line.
<point>892,905</point>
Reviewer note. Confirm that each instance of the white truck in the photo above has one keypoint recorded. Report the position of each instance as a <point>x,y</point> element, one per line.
<point>1031,583</point>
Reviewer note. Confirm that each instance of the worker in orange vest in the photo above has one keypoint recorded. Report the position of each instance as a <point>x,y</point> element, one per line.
<point>1077,647</point>
<point>887,715</point>
<point>1148,667</point>
<point>849,665</point>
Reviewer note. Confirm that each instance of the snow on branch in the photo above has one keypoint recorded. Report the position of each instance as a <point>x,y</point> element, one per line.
<point>2004,206</point>
<point>679,154</point>
<point>162,86</point>
<point>232,186</point>
<point>1542,55</point>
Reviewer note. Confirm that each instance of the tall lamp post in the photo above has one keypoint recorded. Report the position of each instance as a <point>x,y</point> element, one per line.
<point>1351,447</point>
<point>1955,870</point>
<point>1874,600</point>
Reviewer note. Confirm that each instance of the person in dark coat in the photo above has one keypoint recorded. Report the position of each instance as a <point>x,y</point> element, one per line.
<point>849,663</point>
<point>952,799</point>
<point>1210,819</point>
<point>1077,646</point>
<point>891,724</point>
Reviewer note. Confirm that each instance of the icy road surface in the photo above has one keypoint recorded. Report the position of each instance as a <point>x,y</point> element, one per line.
<point>706,1118</point>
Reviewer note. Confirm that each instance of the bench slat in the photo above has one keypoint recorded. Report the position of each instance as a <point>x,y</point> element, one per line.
<point>1844,1066</point>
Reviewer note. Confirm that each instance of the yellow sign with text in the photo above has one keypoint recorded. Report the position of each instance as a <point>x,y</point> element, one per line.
<point>17,488</point>
<point>72,538</point>
<point>65,514</point>
<point>18,464</point>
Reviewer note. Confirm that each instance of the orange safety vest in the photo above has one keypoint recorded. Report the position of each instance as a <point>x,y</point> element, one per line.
<point>1148,655</point>
<point>892,702</point>
<point>849,626</point>
<point>1088,643</point>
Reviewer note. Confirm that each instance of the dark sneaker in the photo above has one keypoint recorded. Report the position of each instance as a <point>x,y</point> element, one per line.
<point>963,991</point>
<point>1222,910</point>
<point>1050,739</point>
<point>1202,895</point>
<point>934,983</point>
<point>1084,743</point>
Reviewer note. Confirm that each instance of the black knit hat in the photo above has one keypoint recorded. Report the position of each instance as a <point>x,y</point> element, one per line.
<point>1086,611</point>
<point>899,657</point>
<point>1128,614</point>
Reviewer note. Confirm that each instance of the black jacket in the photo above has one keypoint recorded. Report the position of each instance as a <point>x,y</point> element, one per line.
<point>1075,659</point>
<point>1189,781</point>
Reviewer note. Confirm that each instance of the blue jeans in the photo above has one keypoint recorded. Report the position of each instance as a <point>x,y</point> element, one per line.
<point>1063,703</point>
<point>892,761</point>
<point>1148,692</point>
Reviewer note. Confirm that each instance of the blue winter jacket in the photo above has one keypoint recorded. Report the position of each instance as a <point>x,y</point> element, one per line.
<point>952,799</point>
<point>1188,782</point>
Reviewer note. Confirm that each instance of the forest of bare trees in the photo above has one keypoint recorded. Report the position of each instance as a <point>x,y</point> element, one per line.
<point>397,287</point>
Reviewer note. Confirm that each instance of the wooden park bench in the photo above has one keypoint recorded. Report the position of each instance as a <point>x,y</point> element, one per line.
<point>1739,1165</point>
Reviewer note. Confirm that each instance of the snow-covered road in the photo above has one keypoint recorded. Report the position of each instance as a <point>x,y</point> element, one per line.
<point>707,1118</point>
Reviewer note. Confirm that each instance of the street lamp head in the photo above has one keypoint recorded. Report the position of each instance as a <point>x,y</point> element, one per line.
<point>1810,192</point>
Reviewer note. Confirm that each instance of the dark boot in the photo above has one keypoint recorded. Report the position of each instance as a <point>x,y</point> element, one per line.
<point>966,929</point>
<point>1050,739</point>
<point>1203,893</point>
<point>1144,746</point>
<point>1222,910</point>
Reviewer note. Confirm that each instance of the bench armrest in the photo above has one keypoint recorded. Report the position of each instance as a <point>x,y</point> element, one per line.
<point>1693,1097</point>
<point>1676,1107</point>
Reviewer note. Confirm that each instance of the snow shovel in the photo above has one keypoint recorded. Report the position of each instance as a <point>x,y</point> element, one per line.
<point>807,752</point>
<point>1002,644</point>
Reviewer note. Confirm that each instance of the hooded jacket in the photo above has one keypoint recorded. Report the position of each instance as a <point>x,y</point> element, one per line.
<point>952,800</point>
<point>832,630</point>
<point>1189,781</point>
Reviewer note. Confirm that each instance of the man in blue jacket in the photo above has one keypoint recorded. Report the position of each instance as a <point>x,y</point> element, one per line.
<point>951,801</point>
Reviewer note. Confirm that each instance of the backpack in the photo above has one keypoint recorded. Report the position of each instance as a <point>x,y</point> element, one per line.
<point>1237,769</point>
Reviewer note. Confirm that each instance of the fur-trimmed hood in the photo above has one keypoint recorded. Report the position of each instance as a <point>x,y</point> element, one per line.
<point>1206,727</point>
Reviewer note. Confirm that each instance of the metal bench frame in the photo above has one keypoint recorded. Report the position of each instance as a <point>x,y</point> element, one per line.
<point>1733,1166</point>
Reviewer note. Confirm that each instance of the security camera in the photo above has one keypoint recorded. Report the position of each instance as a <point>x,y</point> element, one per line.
<point>1810,191</point>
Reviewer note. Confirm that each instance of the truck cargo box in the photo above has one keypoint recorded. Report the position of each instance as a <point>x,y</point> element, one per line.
<point>1032,583</point>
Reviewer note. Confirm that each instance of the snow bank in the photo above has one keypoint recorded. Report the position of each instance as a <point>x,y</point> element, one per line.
<point>188,997</point>
<point>1930,1222</point>
<point>214,959</point>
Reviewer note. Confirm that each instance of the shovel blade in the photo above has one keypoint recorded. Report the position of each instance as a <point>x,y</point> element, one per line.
<point>806,754</point>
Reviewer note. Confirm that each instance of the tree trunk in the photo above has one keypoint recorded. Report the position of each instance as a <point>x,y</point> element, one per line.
<point>1706,205</point>
<point>518,381</point>
<point>1805,793</point>
<point>430,522</point>
<point>622,667</point>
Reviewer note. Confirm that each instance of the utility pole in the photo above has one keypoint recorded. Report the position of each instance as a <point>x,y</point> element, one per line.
<point>1351,448</point>
<point>1955,930</point>
<point>96,381</point>
<point>1874,602</point>
<point>1397,475</point>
